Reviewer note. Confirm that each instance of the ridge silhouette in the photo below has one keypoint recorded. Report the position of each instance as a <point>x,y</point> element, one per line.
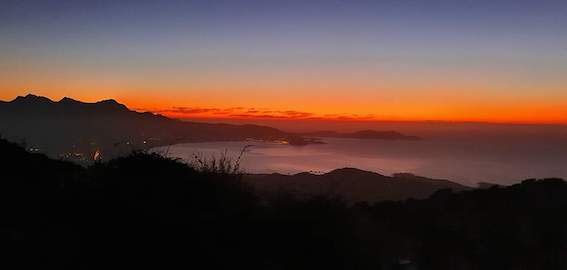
<point>351,184</point>
<point>68,127</point>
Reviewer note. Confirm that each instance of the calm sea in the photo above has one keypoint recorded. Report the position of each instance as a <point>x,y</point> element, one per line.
<point>464,161</point>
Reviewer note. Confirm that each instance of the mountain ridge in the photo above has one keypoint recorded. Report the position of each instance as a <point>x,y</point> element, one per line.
<point>352,184</point>
<point>69,127</point>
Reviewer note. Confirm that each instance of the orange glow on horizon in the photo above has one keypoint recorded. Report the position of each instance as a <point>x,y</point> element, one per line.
<point>499,115</point>
<point>542,112</point>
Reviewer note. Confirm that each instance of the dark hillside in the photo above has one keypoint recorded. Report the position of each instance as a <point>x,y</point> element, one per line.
<point>147,211</point>
<point>75,130</point>
<point>352,184</point>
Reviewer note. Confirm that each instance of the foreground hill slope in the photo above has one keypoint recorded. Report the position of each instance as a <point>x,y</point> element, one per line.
<point>147,211</point>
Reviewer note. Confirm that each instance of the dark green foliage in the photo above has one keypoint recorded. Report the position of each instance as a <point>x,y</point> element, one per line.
<point>147,211</point>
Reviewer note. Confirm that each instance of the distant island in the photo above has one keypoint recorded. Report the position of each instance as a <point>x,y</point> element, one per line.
<point>363,134</point>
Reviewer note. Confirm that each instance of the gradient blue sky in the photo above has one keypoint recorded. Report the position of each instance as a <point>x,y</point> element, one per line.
<point>390,59</point>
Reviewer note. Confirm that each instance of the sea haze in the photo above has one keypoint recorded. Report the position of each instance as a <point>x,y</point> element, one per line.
<point>464,161</point>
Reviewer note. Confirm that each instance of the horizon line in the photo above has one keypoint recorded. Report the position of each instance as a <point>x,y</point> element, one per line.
<point>199,114</point>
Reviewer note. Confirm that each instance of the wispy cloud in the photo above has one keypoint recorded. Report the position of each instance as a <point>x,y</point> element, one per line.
<point>255,113</point>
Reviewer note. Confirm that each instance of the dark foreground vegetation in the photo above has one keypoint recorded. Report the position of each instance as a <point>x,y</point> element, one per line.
<point>146,211</point>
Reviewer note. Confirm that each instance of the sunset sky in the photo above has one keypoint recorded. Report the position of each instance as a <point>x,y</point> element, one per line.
<point>477,60</point>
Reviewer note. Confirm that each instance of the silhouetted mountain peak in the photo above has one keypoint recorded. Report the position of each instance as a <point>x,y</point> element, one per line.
<point>31,98</point>
<point>352,172</point>
<point>107,104</point>
<point>68,100</point>
<point>57,126</point>
<point>298,174</point>
<point>111,103</point>
<point>67,103</point>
